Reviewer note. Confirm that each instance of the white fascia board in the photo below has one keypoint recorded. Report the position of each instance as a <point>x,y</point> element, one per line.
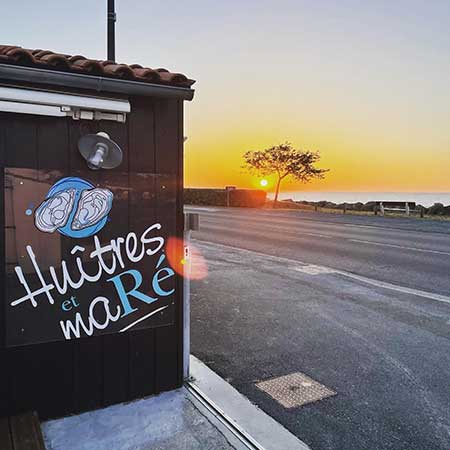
<point>27,108</point>
<point>59,100</point>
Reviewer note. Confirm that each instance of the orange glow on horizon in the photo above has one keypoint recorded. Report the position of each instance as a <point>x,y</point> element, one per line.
<point>374,167</point>
<point>369,143</point>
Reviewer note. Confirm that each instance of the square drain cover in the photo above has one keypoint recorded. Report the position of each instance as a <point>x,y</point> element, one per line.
<point>294,390</point>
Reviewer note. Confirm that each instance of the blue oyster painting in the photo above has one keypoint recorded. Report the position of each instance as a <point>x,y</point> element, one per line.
<point>74,207</point>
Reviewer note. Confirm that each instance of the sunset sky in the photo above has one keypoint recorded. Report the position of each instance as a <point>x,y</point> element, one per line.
<point>364,82</point>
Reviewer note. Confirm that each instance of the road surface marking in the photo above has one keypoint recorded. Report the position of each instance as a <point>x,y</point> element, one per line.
<point>404,247</point>
<point>295,264</point>
<point>327,236</point>
<point>200,209</point>
<point>298,232</point>
<point>396,287</point>
<point>312,269</point>
<point>297,219</point>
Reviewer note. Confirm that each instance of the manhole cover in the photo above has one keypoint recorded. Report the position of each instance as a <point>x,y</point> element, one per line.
<point>294,390</point>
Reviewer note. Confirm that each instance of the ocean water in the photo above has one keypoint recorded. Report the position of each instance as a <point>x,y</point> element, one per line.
<point>421,198</point>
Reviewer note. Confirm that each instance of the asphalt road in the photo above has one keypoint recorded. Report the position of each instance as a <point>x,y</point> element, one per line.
<point>359,304</point>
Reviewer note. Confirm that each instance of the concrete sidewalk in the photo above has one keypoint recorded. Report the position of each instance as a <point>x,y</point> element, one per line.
<point>207,414</point>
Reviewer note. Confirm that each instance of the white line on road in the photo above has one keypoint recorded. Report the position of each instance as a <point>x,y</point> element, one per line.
<point>299,233</point>
<point>201,209</point>
<point>312,269</point>
<point>295,265</point>
<point>415,249</point>
<point>327,236</point>
<point>396,287</point>
<point>298,220</point>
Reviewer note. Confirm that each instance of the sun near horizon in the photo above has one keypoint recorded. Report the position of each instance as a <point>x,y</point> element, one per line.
<point>352,168</point>
<point>363,83</point>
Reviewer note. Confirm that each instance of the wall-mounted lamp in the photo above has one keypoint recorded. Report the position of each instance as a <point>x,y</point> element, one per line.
<point>100,151</point>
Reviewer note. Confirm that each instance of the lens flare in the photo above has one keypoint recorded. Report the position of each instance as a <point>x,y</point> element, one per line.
<point>186,260</point>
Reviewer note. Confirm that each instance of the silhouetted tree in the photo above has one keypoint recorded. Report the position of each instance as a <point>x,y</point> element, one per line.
<point>284,160</point>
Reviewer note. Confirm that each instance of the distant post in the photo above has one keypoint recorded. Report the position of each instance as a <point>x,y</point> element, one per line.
<point>228,189</point>
<point>191,223</point>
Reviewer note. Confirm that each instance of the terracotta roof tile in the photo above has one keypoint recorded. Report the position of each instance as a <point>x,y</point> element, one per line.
<point>45,59</point>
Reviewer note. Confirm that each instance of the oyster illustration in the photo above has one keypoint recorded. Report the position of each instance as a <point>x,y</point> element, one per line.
<point>93,206</point>
<point>54,212</point>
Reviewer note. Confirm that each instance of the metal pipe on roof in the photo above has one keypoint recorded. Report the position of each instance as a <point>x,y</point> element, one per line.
<point>91,82</point>
<point>111,25</point>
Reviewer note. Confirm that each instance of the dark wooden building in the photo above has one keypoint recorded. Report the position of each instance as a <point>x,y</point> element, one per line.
<point>135,348</point>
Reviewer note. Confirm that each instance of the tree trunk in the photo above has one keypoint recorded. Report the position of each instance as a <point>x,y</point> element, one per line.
<point>277,190</point>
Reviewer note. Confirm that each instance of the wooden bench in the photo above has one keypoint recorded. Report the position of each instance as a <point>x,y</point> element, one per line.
<point>22,432</point>
<point>406,207</point>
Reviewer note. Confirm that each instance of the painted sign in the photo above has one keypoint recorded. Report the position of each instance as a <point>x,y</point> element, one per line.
<point>75,208</point>
<point>74,268</point>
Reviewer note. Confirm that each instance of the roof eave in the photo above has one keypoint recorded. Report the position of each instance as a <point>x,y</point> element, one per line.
<point>92,82</point>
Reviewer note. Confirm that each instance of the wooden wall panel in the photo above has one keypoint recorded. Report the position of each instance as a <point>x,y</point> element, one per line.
<point>168,342</point>
<point>21,151</point>
<point>88,374</point>
<point>41,377</point>
<point>4,388</point>
<point>3,121</point>
<point>141,135</point>
<point>142,363</point>
<point>40,374</point>
<point>53,143</point>
<point>116,374</point>
<point>141,139</point>
<point>21,141</point>
<point>167,136</point>
<point>88,379</point>
<point>180,232</point>
<point>60,378</point>
<point>116,348</point>
<point>52,137</point>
